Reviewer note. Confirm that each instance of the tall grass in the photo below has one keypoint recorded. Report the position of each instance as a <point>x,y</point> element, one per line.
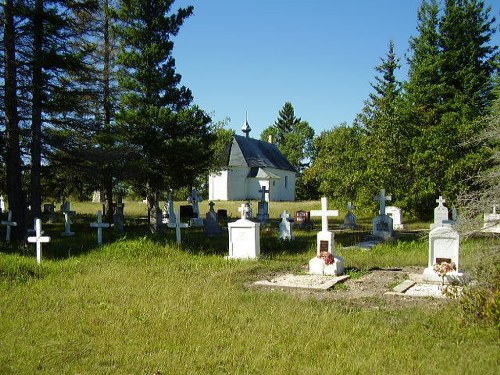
<point>141,304</point>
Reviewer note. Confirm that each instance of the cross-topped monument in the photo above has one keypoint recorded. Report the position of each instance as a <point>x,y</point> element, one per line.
<point>440,201</point>
<point>38,239</point>
<point>66,210</point>
<point>263,191</point>
<point>324,213</point>
<point>99,225</point>
<point>8,223</point>
<point>178,225</point>
<point>382,198</point>
<point>285,227</point>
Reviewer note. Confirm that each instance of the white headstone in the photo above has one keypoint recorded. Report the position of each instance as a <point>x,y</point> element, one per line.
<point>8,223</point>
<point>285,226</point>
<point>440,213</point>
<point>444,246</point>
<point>244,237</point>
<point>99,225</point>
<point>195,199</point>
<point>66,210</point>
<point>396,214</point>
<point>332,264</point>
<point>178,225</point>
<point>170,212</point>
<point>38,239</point>
<point>381,198</point>
<point>492,222</point>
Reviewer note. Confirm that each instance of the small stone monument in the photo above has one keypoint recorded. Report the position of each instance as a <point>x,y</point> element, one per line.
<point>49,209</point>
<point>96,197</point>
<point>195,199</point>
<point>440,213</point>
<point>8,223</point>
<point>444,246</point>
<point>178,225</point>
<point>325,262</point>
<point>99,225</point>
<point>244,237</point>
<point>38,239</point>
<point>396,214</point>
<point>492,221</point>
<point>350,218</point>
<point>382,224</point>
<point>169,209</point>
<point>66,210</point>
<point>118,216</point>
<point>285,226</point>
<point>2,204</point>
<point>212,227</point>
<point>263,212</point>
<point>303,219</point>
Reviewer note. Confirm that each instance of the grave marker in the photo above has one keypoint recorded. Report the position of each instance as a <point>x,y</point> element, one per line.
<point>325,262</point>
<point>350,218</point>
<point>195,199</point>
<point>38,239</point>
<point>440,213</point>
<point>66,210</point>
<point>263,212</point>
<point>444,246</point>
<point>99,225</point>
<point>285,227</point>
<point>212,227</point>
<point>178,225</point>
<point>244,237</point>
<point>382,224</point>
<point>8,223</point>
<point>2,204</point>
<point>492,221</point>
<point>396,214</point>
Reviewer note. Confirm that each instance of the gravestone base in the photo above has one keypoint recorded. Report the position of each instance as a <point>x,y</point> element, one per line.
<point>455,277</point>
<point>317,266</point>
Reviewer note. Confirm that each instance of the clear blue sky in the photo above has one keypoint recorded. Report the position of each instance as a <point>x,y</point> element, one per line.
<point>252,56</point>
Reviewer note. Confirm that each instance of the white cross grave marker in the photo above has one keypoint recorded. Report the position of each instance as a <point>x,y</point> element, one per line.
<point>66,210</point>
<point>38,239</point>
<point>324,213</point>
<point>382,198</point>
<point>9,223</point>
<point>440,201</point>
<point>178,225</point>
<point>99,225</point>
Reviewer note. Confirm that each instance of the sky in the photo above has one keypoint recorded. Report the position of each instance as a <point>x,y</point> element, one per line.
<point>248,57</point>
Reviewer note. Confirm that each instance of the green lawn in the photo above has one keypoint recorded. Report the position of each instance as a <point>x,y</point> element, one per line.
<point>140,304</point>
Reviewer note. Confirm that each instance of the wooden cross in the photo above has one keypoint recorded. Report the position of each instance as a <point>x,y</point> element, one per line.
<point>178,225</point>
<point>263,192</point>
<point>9,223</point>
<point>324,213</point>
<point>99,225</point>
<point>38,240</point>
<point>382,198</point>
<point>440,201</point>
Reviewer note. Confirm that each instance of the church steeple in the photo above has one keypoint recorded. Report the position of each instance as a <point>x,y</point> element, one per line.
<point>246,127</point>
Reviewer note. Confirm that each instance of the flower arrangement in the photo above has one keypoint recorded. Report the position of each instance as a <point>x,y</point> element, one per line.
<point>327,257</point>
<point>443,268</point>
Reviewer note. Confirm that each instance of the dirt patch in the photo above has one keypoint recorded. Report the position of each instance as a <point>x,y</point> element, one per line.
<point>368,291</point>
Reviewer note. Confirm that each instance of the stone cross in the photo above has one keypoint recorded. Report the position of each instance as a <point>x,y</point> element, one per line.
<point>263,192</point>
<point>195,199</point>
<point>440,201</point>
<point>38,239</point>
<point>9,223</point>
<point>324,213</point>
<point>66,210</point>
<point>211,205</point>
<point>99,225</point>
<point>178,225</point>
<point>382,198</point>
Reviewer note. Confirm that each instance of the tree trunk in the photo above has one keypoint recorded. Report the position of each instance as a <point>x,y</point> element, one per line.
<point>36,119</point>
<point>13,149</point>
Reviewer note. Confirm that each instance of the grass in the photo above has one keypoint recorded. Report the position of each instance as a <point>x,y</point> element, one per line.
<point>141,304</point>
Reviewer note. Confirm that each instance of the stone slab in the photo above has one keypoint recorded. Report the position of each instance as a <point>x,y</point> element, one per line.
<point>316,282</point>
<point>404,286</point>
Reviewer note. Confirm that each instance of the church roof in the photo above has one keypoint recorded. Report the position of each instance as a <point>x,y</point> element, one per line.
<point>254,153</point>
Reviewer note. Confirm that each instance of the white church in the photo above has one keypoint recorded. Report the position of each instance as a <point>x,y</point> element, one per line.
<point>253,164</point>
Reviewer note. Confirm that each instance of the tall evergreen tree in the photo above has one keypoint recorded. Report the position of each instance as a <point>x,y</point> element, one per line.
<point>170,138</point>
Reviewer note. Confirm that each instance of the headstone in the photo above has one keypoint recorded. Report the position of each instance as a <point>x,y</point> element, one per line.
<point>38,239</point>
<point>66,210</point>
<point>244,237</point>
<point>492,222</point>
<point>325,262</point>
<point>396,214</point>
<point>440,213</point>
<point>178,225</point>
<point>8,223</point>
<point>350,218</point>
<point>195,199</point>
<point>303,219</point>
<point>285,227</point>
<point>212,227</point>
<point>2,204</point>
<point>169,209</point>
<point>99,225</point>
<point>49,209</point>
<point>444,246</point>
<point>119,217</point>
<point>263,212</point>
<point>96,197</point>
<point>382,224</point>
